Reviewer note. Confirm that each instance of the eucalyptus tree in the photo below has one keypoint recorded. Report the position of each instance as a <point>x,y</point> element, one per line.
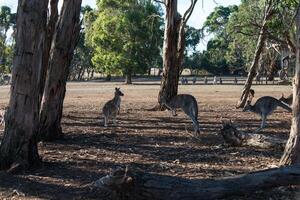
<point>292,150</point>
<point>63,44</point>
<point>7,21</point>
<point>19,145</point>
<point>83,53</point>
<point>126,37</point>
<point>268,12</point>
<point>173,48</point>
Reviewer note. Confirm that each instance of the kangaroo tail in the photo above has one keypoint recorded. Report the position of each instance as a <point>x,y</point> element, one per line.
<point>285,106</point>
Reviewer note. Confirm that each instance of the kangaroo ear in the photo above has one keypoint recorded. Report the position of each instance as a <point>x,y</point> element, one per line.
<point>282,95</point>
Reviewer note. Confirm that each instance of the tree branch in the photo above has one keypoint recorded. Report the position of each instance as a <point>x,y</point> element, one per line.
<point>189,11</point>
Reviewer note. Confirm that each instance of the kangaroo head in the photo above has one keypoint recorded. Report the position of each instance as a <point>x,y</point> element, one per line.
<point>247,106</point>
<point>118,92</point>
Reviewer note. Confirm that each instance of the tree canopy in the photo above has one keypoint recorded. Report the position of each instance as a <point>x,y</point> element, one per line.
<point>7,22</point>
<point>126,37</point>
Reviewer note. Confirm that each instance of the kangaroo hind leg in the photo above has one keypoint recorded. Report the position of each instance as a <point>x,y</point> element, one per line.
<point>191,114</point>
<point>105,120</point>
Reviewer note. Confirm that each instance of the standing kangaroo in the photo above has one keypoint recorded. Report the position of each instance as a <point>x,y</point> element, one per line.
<point>265,106</point>
<point>112,107</point>
<point>187,103</point>
<point>288,100</point>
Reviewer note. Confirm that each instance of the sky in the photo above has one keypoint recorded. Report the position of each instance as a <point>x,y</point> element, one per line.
<point>202,9</point>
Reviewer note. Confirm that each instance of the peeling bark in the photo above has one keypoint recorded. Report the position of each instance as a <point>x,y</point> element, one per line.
<point>19,146</point>
<point>64,42</point>
<point>170,77</point>
<point>48,40</point>
<point>173,49</point>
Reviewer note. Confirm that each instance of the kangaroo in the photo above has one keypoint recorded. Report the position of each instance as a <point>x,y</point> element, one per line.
<point>288,100</point>
<point>265,106</point>
<point>112,107</point>
<point>188,104</point>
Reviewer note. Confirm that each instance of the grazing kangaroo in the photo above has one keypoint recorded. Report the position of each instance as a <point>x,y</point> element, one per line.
<point>288,100</point>
<point>112,107</point>
<point>265,106</point>
<point>187,103</point>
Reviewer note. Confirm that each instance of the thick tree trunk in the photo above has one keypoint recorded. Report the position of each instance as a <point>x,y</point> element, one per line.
<point>126,185</point>
<point>292,150</point>
<point>128,76</point>
<point>259,47</point>
<point>48,40</point>
<point>171,62</point>
<point>19,146</point>
<point>234,137</point>
<point>64,42</point>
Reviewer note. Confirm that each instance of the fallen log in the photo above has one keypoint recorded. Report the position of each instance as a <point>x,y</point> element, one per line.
<point>122,184</point>
<point>233,137</point>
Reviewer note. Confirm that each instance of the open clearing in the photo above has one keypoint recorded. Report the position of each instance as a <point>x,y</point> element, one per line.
<point>150,141</point>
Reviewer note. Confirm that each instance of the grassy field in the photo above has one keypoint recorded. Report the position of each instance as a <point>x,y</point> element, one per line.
<point>151,141</point>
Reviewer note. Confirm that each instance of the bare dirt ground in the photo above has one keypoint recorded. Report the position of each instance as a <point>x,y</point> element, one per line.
<point>154,142</point>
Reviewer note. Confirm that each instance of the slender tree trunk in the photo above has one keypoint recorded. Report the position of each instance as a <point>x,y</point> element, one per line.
<point>48,40</point>
<point>149,72</point>
<point>259,47</point>
<point>81,73</point>
<point>65,40</point>
<point>19,145</point>
<point>92,75</point>
<point>292,150</point>
<point>171,62</point>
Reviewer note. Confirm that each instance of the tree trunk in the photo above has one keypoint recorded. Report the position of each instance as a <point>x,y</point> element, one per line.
<point>149,72</point>
<point>171,61</point>
<point>19,146</point>
<point>128,76</point>
<point>259,47</point>
<point>92,75</point>
<point>292,150</point>
<point>65,40</point>
<point>48,40</point>
<point>122,184</point>
<point>234,137</point>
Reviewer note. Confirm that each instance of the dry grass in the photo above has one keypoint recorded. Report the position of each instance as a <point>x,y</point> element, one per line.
<point>151,141</point>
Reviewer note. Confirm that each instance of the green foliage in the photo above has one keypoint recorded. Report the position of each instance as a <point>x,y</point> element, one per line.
<point>213,59</point>
<point>235,30</point>
<point>7,21</point>
<point>126,36</point>
<point>244,27</point>
<point>83,53</point>
<point>192,38</point>
<point>215,23</point>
